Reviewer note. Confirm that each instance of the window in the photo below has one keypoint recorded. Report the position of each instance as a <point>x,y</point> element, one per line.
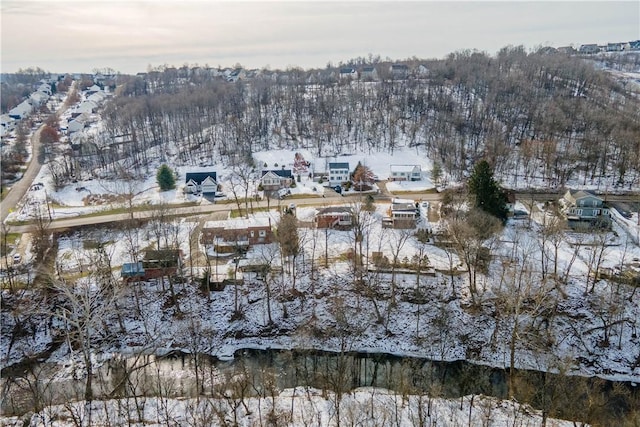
<point>253,233</point>
<point>262,233</point>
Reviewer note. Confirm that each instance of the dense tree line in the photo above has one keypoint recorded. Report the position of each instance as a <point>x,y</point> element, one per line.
<point>548,117</point>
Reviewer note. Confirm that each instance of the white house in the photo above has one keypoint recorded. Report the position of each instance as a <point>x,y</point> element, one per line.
<point>369,72</point>
<point>45,88</point>
<point>272,180</point>
<point>38,98</point>
<point>399,71</point>
<point>204,182</point>
<point>348,73</point>
<point>77,124</point>
<point>422,70</point>
<point>97,97</point>
<point>86,107</point>
<point>21,111</point>
<point>338,173</point>
<point>405,173</point>
<point>7,124</point>
<point>93,89</point>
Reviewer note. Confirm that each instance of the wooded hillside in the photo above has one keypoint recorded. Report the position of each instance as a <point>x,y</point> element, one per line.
<point>535,116</point>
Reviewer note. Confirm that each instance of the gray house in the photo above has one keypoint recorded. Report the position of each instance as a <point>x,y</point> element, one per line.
<point>205,182</point>
<point>585,209</point>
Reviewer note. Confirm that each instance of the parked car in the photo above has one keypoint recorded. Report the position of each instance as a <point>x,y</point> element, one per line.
<point>623,209</point>
<point>17,258</point>
<point>283,192</point>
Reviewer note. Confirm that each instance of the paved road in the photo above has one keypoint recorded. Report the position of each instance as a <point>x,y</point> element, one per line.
<point>199,210</point>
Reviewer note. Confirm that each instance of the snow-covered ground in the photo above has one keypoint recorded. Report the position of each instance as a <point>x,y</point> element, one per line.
<point>90,194</point>
<point>294,407</point>
<point>446,328</point>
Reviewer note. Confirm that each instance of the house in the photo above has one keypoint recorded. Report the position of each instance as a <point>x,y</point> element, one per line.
<point>201,182</point>
<point>273,180</point>
<point>422,70</point>
<point>614,47</point>
<point>584,208</point>
<point>93,89</point>
<point>348,73</point>
<point>38,99</point>
<point>132,271</point>
<point>86,107</point>
<point>235,75</point>
<point>77,124</point>
<point>7,124</point>
<point>399,71</point>
<point>45,88</point>
<point>338,217</point>
<point>236,235</point>
<point>97,97</point>
<point>404,214</point>
<point>338,173</point>
<point>589,49</point>
<point>21,111</point>
<point>405,173</point>
<point>568,50</point>
<point>161,263</point>
<point>369,73</point>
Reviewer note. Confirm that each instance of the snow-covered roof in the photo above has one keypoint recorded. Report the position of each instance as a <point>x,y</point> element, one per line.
<point>5,119</point>
<point>331,210</point>
<point>21,109</point>
<point>404,168</point>
<point>241,223</point>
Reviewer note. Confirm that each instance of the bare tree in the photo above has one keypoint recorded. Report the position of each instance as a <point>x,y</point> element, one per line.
<point>469,236</point>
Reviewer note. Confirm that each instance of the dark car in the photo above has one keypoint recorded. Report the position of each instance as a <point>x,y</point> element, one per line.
<point>623,209</point>
<point>338,189</point>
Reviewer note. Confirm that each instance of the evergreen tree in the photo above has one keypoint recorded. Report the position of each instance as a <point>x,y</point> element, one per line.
<point>486,192</point>
<point>166,178</point>
<point>436,173</point>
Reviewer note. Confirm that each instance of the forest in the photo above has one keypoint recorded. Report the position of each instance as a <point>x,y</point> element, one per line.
<point>537,117</point>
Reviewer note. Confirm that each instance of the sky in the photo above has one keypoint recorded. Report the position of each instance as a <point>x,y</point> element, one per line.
<point>131,36</point>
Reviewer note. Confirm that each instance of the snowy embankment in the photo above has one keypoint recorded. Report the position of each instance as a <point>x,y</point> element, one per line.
<point>293,407</point>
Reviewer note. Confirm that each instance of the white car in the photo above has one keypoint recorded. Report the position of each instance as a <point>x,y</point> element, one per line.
<point>17,258</point>
<point>424,209</point>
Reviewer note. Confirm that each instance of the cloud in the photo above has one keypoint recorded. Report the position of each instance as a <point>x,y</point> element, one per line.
<point>77,35</point>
